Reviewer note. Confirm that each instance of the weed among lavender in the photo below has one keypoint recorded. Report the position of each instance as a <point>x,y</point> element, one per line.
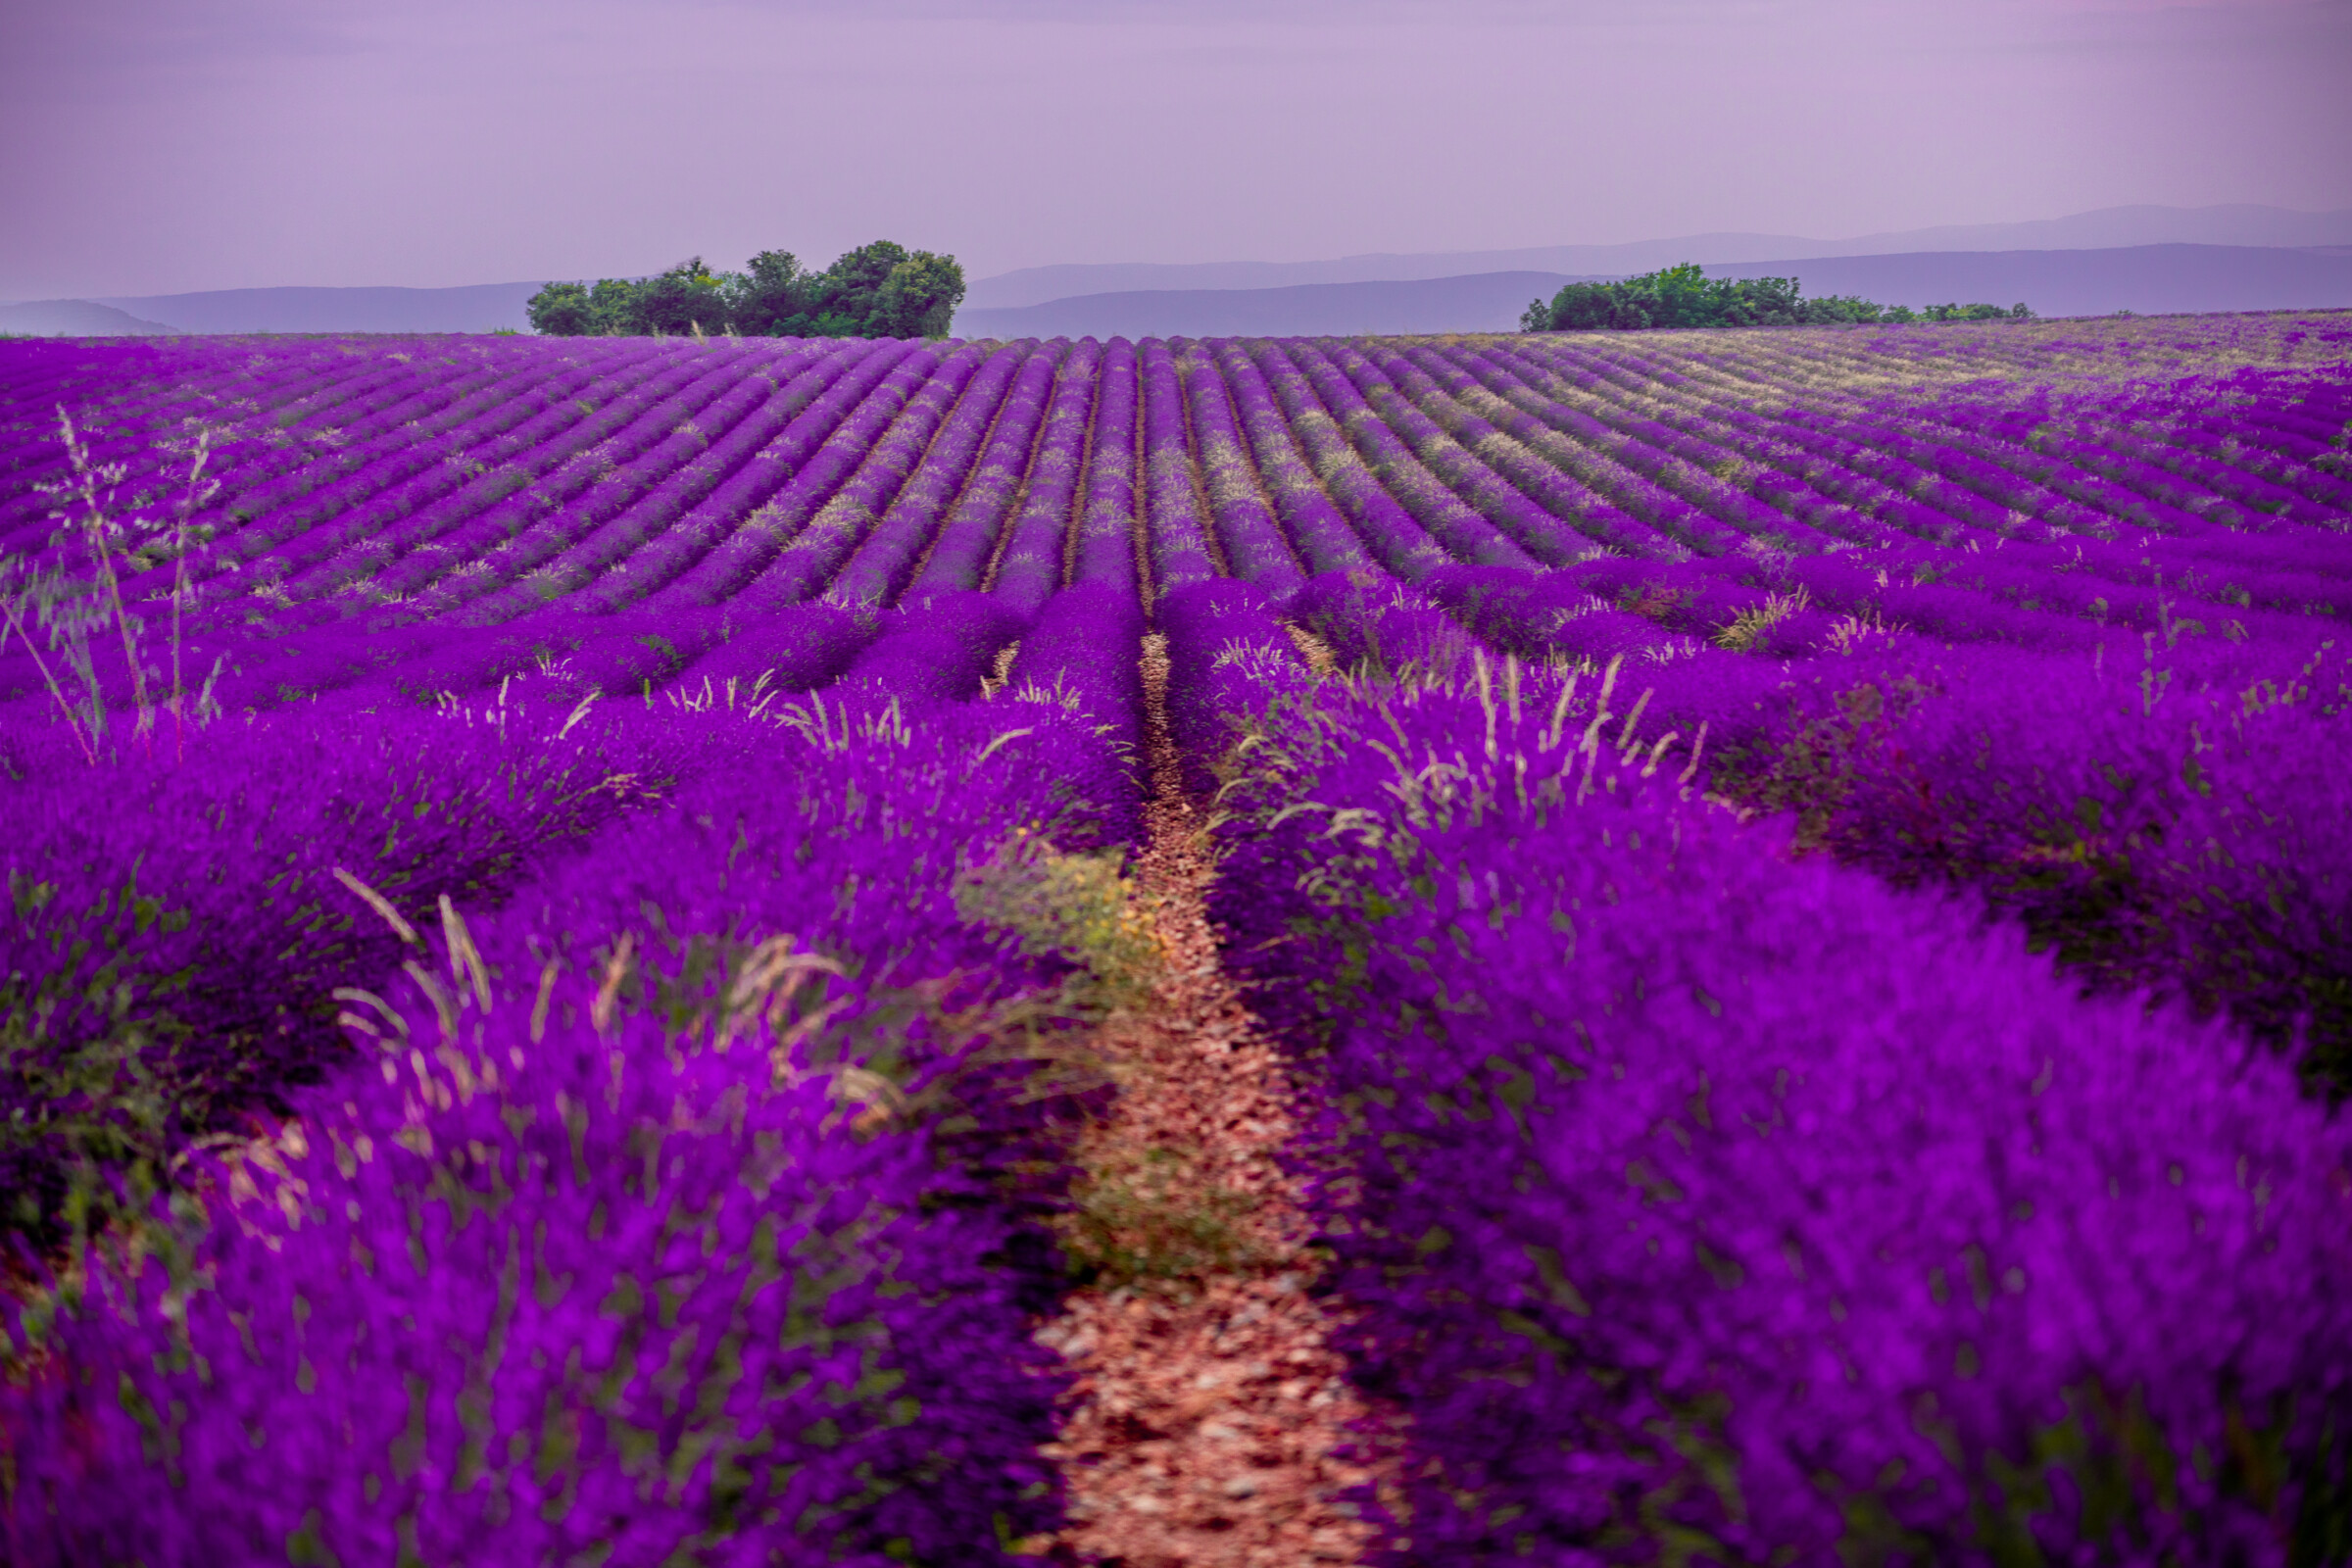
<point>1079,906</point>
<point>79,617</point>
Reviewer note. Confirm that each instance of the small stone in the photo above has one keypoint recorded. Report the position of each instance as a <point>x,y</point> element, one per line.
<point>1239,1487</point>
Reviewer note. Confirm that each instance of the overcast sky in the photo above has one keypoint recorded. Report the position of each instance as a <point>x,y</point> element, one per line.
<point>165,145</point>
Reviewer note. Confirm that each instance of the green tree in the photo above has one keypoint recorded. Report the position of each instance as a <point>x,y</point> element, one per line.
<point>1589,308</point>
<point>2020,312</point>
<point>1675,296</point>
<point>856,277</point>
<point>561,309</point>
<point>1756,302</point>
<point>877,290</point>
<point>609,309</point>
<point>1834,308</point>
<point>1685,296</point>
<point>773,291</point>
<point>613,306</point>
<point>677,302</point>
<point>918,297</point>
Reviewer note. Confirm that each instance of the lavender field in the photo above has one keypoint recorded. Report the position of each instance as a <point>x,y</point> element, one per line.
<point>559,890</point>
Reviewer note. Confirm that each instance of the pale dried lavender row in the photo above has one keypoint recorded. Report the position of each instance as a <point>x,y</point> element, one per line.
<point>803,566</point>
<point>800,470</point>
<point>251,392</point>
<point>705,452</point>
<point>762,456</point>
<point>1643,478</point>
<point>1464,451</point>
<point>1462,530</point>
<point>1390,533</point>
<point>523,571</point>
<point>317,513</point>
<point>509,502</point>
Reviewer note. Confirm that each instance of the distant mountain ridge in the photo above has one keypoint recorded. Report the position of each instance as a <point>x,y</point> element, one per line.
<point>2257,271</point>
<point>2148,280</point>
<point>77,318</point>
<point>1478,303</point>
<point>2110,228</point>
<point>477,308</point>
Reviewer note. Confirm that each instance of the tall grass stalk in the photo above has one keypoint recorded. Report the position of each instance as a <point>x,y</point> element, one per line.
<point>74,615</point>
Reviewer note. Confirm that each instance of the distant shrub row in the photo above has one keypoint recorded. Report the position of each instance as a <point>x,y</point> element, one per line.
<point>877,290</point>
<point>1685,296</point>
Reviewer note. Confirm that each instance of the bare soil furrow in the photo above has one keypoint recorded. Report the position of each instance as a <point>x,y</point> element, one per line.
<point>1210,1422</point>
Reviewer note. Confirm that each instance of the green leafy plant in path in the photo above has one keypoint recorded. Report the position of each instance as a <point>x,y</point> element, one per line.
<point>1146,1214</point>
<point>1139,1210</point>
<point>1081,907</point>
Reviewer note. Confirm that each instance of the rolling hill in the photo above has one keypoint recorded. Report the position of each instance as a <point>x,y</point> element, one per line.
<point>2147,279</point>
<point>2104,229</point>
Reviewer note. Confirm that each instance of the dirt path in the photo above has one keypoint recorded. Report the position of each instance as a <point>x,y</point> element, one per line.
<point>1209,1424</point>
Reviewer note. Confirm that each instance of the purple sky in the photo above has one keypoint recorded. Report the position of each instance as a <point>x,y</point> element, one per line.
<point>165,145</point>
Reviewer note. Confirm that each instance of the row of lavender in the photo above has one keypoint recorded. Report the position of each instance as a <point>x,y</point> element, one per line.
<point>633,1143</point>
<point>1703,1196</point>
<point>651,483</point>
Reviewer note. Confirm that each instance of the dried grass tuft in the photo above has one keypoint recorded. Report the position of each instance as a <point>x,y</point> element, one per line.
<point>1079,908</point>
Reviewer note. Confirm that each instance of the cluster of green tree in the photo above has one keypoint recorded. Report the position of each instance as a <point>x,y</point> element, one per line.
<point>877,290</point>
<point>1685,296</point>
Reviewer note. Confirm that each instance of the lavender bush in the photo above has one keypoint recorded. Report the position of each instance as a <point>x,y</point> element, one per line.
<point>1703,1199</point>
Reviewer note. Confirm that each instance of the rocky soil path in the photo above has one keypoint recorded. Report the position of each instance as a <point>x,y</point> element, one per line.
<point>1210,1424</point>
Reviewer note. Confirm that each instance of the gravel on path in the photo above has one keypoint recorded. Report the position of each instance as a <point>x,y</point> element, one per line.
<point>1210,1423</point>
